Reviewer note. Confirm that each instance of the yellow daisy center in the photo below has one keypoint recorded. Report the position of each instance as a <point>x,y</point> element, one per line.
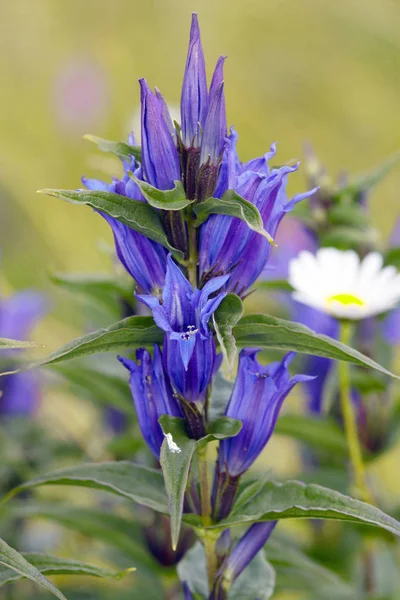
<point>346,299</point>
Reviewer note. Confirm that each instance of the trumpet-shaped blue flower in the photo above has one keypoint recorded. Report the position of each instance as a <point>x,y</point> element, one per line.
<point>20,394</point>
<point>152,395</point>
<point>227,245</point>
<point>145,260</point>
<point>256,400</point>
<point>184,312</point>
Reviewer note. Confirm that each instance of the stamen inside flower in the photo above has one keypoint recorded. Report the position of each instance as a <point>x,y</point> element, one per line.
<point>191,330</point>
<point>346,299</point>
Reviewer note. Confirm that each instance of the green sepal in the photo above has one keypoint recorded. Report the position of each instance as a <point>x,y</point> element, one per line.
<point>174,199</point>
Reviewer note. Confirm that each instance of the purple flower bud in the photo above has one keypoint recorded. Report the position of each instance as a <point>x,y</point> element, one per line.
<point>242,554</point>
<point>152,395</point>
<point>194,99</point>
<point>159,154</point>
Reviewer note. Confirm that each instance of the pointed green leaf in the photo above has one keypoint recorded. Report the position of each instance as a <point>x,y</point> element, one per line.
<point>225,318</point>
<point>115,530</point>
<point>274,285</point>
<point>53,565</point>
<point>106,389</point>
<point>265,331</point>
<point>174,199</point>
<point>367,181</point>
<point>12,561</point>
<point>123,478</point>
<point>7,344</point>
<point>101,289</point>
<point>296,500</point>
<point>136,214</point>
<point>120,149</point>
<point>232,205</point>
<point>128,333</point>
<point>318,433</point>
<point>256,582</point>
<point>296,571</point>
<point>175,464</point>
<point>175,458</point>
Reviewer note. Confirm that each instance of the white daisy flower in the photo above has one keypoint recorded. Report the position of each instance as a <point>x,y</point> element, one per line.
<point>342,285</point>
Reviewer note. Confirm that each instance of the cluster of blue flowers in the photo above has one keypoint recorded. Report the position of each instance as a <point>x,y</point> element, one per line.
<point>228,257</point>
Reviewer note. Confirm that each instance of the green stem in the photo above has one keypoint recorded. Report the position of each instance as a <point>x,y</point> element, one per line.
<point>208,538</point>
<point>349,419</point>
<point>193,257</point>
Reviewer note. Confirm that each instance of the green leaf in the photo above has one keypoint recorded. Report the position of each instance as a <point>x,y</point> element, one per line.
<point>120,149</point>
<point>136,214</point>
<point>106,389</point>
<point>175,463</point>
<point>174,199</point>
<point>7,344</point>
<point>115,530</point>
<point>297,572</point>
<point>352,215</point>
<point>233,205</point>
<point>225,318</point>
<point>274,285</point>
<point>53,565</point>
<point>265,331</point>
<point>13,562</point>
<point>193,569</point>
<point>123,478</point>
<point>318,433</point>
<point>296,500</point>
<point>100,289</point>
<point>367,181</point>
<point>256,582</point>
<point>347,238</point>
<point>128,333</point>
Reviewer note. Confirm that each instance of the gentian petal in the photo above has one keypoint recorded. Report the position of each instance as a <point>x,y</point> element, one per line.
<point>194,99</point>
<point>159,154</point>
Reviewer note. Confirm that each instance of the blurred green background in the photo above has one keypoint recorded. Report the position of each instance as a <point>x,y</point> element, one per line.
<point>326,72</point>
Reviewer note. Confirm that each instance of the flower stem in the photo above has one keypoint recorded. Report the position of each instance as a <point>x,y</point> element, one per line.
<point>349,419</point>
<point>208,538</point>
<point>193,255</point>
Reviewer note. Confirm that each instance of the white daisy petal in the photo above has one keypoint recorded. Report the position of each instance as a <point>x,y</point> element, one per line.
<point>339,284</point>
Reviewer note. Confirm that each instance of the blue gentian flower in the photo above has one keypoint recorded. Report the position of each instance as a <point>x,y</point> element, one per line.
<point>152,395</point>
<point>241,555</point>
<point>18,315</point>
<point>226,244</point>
<point>184,314</point>
<point>159,154</point>
<point>256,400</point>
<point>145,260</point>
